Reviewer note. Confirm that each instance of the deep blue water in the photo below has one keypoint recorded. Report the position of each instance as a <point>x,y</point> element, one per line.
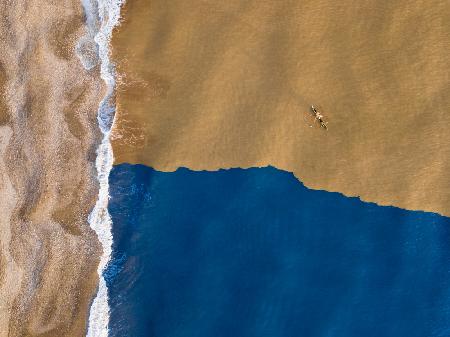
<point>253,252</point>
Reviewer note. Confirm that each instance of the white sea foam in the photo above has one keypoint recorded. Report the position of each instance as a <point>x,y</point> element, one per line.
<point>102,16</point>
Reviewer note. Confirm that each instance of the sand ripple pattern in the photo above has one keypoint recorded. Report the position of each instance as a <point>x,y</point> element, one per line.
<point>48,135</point>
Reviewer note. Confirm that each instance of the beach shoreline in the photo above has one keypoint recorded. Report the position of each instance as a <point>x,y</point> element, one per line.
<point>108,13</point>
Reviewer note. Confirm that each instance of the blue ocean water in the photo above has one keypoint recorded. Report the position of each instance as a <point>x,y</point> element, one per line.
<point>240,253</point>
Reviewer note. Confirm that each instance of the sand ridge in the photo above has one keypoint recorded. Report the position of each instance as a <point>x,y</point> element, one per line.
<point>48,136</point>
<point>210,84</point>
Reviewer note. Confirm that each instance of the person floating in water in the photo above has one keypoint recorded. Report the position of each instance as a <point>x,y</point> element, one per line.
<point>319,117</point>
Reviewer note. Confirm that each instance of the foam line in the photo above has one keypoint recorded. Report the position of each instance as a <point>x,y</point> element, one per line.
<point>101,18</point>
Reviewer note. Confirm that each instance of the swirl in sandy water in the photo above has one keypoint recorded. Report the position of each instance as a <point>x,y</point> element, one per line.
<point>108,12</point>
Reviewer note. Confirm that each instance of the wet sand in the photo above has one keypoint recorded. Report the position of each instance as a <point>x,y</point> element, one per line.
<point>213,84</point>
<point>48,135</point>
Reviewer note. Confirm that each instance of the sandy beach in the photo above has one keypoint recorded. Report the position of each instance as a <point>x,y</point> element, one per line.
<point>48,135</point>
<point>209,85</point>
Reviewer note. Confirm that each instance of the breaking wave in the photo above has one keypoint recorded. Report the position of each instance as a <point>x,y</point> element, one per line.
<point>101,18</point>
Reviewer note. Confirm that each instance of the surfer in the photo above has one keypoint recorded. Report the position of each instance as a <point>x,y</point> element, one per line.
<point>319,117</point>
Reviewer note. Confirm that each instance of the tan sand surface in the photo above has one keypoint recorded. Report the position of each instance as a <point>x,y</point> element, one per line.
<point>218,84</point>
<point>48,136</point>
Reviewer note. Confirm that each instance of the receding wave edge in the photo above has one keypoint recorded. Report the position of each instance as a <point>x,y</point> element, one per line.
<point>101,18</point>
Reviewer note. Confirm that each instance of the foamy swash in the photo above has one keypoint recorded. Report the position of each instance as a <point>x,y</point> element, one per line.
<point>101,18</point>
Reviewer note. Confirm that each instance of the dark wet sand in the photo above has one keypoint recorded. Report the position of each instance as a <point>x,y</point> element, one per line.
<point>48,135</point>
<point>213,84</point>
